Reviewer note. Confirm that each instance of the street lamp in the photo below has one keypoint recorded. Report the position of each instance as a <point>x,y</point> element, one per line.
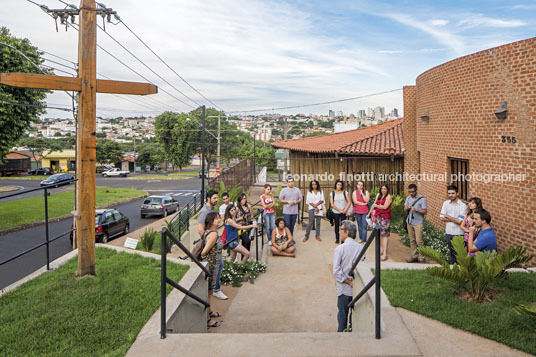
<point>218,139</point>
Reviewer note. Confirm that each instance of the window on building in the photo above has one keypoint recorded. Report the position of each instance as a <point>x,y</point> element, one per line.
<point>459,168</point>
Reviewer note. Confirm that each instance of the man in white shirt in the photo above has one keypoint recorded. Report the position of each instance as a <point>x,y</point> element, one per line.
<point>223,207</point>
<point>452,213</point>
<point>343,260</point>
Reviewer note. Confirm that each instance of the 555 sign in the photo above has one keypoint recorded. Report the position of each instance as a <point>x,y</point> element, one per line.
<point>508,139</point>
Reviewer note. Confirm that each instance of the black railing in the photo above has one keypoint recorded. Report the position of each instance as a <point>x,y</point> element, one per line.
<point>48,240</point>
<point>166,280</point>
<point>180,223</point>
<point>374,281</point>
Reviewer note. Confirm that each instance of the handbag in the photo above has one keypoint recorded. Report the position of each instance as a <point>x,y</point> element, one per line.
<point>405,224</point>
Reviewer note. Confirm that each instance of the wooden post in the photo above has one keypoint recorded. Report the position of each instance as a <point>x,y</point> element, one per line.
<point>86,140</point>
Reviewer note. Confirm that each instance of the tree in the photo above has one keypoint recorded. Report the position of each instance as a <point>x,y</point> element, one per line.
<point>38,146</point>
<point>14,119</point>
<point>177,137</point>
<point>109,152</point>
<point>316,133</point>
<point>150,154</point>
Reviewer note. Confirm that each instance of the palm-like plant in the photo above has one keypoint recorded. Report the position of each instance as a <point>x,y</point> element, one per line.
<point>474,273</point>
<point>526,310</point>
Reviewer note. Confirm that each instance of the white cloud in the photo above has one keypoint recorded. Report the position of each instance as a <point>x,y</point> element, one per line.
<point>479,20</point>
<point>439,22</point>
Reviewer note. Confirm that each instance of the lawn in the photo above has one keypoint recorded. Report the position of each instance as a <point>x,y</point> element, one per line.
<point>29,177</point>
<point>59,315</point>
<point>27,210</point>
<point>417,291</point>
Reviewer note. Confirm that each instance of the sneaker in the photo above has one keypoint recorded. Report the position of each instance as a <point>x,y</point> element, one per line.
<point>412,260</point>
<point>219,295</point>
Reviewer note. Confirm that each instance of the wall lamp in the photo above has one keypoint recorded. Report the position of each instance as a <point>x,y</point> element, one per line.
<point>426,116</point>
<point>501,113</point>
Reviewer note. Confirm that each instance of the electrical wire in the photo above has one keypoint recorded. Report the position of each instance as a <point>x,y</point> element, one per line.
<point>146,66</point>
<point>62,58</point>
<point>58,63</point>
<point>316,104</point>
<point>164,62</point>
<point>35,106</point>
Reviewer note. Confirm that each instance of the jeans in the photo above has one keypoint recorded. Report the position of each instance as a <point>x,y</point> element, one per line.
<point>217,283</point>
<point>290,221</point>
<point>316,220</point>
<point>342,315</point>
<point>269,224</point>
<point>361,219</point>
<point>448,238</point>
<point>338,218</point>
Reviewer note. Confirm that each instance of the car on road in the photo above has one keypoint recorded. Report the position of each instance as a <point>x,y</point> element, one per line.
<point>101,169</point>
<point>58,180</point>
<point>41,171</point>
<point>115,172</point>
<point>109,223</point>
<point>158,205</point>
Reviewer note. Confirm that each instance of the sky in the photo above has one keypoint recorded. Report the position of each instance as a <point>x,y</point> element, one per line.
<point>246,55</point>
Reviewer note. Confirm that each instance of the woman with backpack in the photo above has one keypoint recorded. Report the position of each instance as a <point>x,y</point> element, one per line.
<point>382,212</point>
<point>340,203</point>
<point>232,236</point>
<point>243,216</point>
<point>212,252</point>
<point>361,198</point>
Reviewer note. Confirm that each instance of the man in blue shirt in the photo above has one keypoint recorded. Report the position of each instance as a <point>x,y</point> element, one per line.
<point>486,240</point>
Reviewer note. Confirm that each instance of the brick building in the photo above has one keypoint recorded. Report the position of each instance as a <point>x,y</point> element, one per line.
<point>450,127</point>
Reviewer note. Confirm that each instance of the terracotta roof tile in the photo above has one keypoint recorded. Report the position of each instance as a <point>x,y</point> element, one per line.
<point>381,139</point>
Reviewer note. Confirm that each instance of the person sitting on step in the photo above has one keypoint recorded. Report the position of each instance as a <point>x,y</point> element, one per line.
<point>282,242</point>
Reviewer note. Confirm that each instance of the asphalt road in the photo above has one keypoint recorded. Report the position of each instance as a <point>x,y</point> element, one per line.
<point>17,242</point>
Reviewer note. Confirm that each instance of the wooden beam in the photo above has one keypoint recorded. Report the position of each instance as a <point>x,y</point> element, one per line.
<point>119,87</point>
<point>41,81</point>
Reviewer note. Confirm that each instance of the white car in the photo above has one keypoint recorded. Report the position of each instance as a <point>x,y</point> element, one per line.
<point>115,172</point>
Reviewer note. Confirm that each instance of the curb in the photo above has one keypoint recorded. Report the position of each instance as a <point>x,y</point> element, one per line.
<point>56,219</point>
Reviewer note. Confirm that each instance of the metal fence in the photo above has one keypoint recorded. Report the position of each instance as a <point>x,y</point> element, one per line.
<point>48,240</point>
<point>241,173</point>
<point>180,223</point>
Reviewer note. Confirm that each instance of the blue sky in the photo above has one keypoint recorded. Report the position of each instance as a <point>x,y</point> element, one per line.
<point>248,54</point>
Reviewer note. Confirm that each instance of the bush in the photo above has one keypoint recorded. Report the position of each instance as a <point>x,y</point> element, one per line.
<point>432,237</point>
<point>157,247</point>
<point>474,273</point>
<point>278,208</point>
<point>147,239</point>
<point>234,273</point>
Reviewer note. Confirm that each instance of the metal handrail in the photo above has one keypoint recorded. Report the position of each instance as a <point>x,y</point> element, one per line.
<point>47,239</point>
<point>374,281</point>
<point>164,279</point>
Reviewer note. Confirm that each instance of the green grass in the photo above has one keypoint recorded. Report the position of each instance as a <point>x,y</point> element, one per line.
<point>429,296</point>
<point>29,177</point>
<point>59,315</point>
<point>159,177</point>
<point>27,210</point>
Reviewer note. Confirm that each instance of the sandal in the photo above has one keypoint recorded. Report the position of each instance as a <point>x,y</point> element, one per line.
<point>215,314</point>
<point>318,239</point>
<point>215,324</point>
<point>383,258</point>
<point>305,240</point>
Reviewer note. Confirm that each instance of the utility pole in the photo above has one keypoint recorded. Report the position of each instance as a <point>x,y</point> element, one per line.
<point>88,86</point>
<point>203,153</point>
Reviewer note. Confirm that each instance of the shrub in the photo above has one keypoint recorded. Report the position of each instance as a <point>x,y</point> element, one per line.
<point>432,237</point>
<point>278,208</point>
<point>474,274</point>
<point>525,310</point>
<point>234,273</point>
<point>147,239</point>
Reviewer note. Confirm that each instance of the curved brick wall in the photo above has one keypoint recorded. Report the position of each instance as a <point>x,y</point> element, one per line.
<point>462,96</point>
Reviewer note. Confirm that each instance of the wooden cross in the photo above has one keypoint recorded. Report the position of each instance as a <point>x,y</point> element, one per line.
<point>88,86</point>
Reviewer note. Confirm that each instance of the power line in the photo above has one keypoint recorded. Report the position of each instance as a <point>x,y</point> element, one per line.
<point>164,62</point>
<point>62,58</point>
<point>146,66</point>
<point>35,106</point>
<point>316,104</point>
<point>58,63</point>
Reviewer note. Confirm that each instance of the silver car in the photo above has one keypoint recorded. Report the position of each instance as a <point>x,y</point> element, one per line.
<point>158,205</point>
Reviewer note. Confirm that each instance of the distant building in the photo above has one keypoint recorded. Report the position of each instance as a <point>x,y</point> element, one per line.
<point>331,114</point>
<point>394,113</point>
<point>361,113</point>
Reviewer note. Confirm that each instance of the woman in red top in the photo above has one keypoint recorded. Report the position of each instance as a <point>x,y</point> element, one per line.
<point>268,203</point>
<point>382,211</point>
<point>361,198</point>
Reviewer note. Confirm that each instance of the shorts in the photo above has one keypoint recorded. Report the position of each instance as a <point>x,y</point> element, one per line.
<point>235,243</point>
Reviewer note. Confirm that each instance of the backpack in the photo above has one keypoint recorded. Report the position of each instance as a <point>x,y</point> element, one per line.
<point>200,245</point>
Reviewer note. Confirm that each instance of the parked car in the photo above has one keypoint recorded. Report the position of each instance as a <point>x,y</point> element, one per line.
<point>174,196</point>
<point>58,180</point>
<point>158,205</point>
<point>101,169</point>
<point>109,223</point>
<point>41,171</point>
<point>115,172</point>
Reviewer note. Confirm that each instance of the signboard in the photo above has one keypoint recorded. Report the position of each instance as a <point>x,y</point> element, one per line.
<point>131,243</point>
<point>218,170</point>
